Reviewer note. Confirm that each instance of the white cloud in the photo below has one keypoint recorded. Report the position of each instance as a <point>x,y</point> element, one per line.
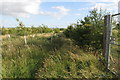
<point>20,8</point>
<point>78,14</point>
<point>84,8</point>
<point>111,7</point>
<point>23,8</point>
<point>80,0</point>
<point>103,1</point>
<point>62,11</point>
<point>61,8</point>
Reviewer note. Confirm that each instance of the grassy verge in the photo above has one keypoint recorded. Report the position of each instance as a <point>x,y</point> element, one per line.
<point>49,57</point>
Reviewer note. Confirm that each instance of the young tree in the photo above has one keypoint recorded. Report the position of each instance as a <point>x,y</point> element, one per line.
<point>22,29</point>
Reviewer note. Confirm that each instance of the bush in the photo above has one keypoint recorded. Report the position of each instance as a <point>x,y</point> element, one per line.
<point>88,33</point>
<point>56,30</point>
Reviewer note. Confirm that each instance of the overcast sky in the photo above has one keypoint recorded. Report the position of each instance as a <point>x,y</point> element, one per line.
<point>54,13</point>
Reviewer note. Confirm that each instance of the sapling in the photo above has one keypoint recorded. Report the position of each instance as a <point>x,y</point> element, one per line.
<point>23,29</point>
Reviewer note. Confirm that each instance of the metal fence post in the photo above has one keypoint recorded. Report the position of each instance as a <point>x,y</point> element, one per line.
<point>107,35</point>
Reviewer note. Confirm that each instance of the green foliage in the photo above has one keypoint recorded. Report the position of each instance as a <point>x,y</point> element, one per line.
<point>71,66</point>
<point>61,29</point>
<point>56,30</point>
<point>88,33</point>
<point>52,57</point>
<point>55,56</point>
<point>115,51</point>
<point>8,31</point>
<point>22,30</point>
<point>23,60</point>
<point>71,62</point>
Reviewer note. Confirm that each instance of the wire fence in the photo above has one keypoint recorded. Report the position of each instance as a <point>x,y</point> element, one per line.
<point>112,43</point>
<point>115,45</point>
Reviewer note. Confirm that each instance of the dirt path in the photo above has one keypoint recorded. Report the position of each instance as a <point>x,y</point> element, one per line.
<point>33,35</point>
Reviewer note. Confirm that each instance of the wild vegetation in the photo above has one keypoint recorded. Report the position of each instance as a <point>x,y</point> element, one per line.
<point>115,51</point>
<point>22,30</point>
<point>49,57</point>
<point>58,53</point>
<point>88,33</point>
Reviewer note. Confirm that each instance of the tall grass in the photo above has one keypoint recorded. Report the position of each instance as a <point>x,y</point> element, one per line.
<point>20,60</point>
<point>115,53</point>
<point>51,57</point>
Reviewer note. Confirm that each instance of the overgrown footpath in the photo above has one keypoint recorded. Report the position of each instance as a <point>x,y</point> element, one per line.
<point>49,57</point>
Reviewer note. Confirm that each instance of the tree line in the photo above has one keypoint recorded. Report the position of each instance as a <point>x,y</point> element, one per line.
<point>22,30</point>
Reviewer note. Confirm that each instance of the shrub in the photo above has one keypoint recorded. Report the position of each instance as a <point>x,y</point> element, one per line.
<point>88,33</point>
